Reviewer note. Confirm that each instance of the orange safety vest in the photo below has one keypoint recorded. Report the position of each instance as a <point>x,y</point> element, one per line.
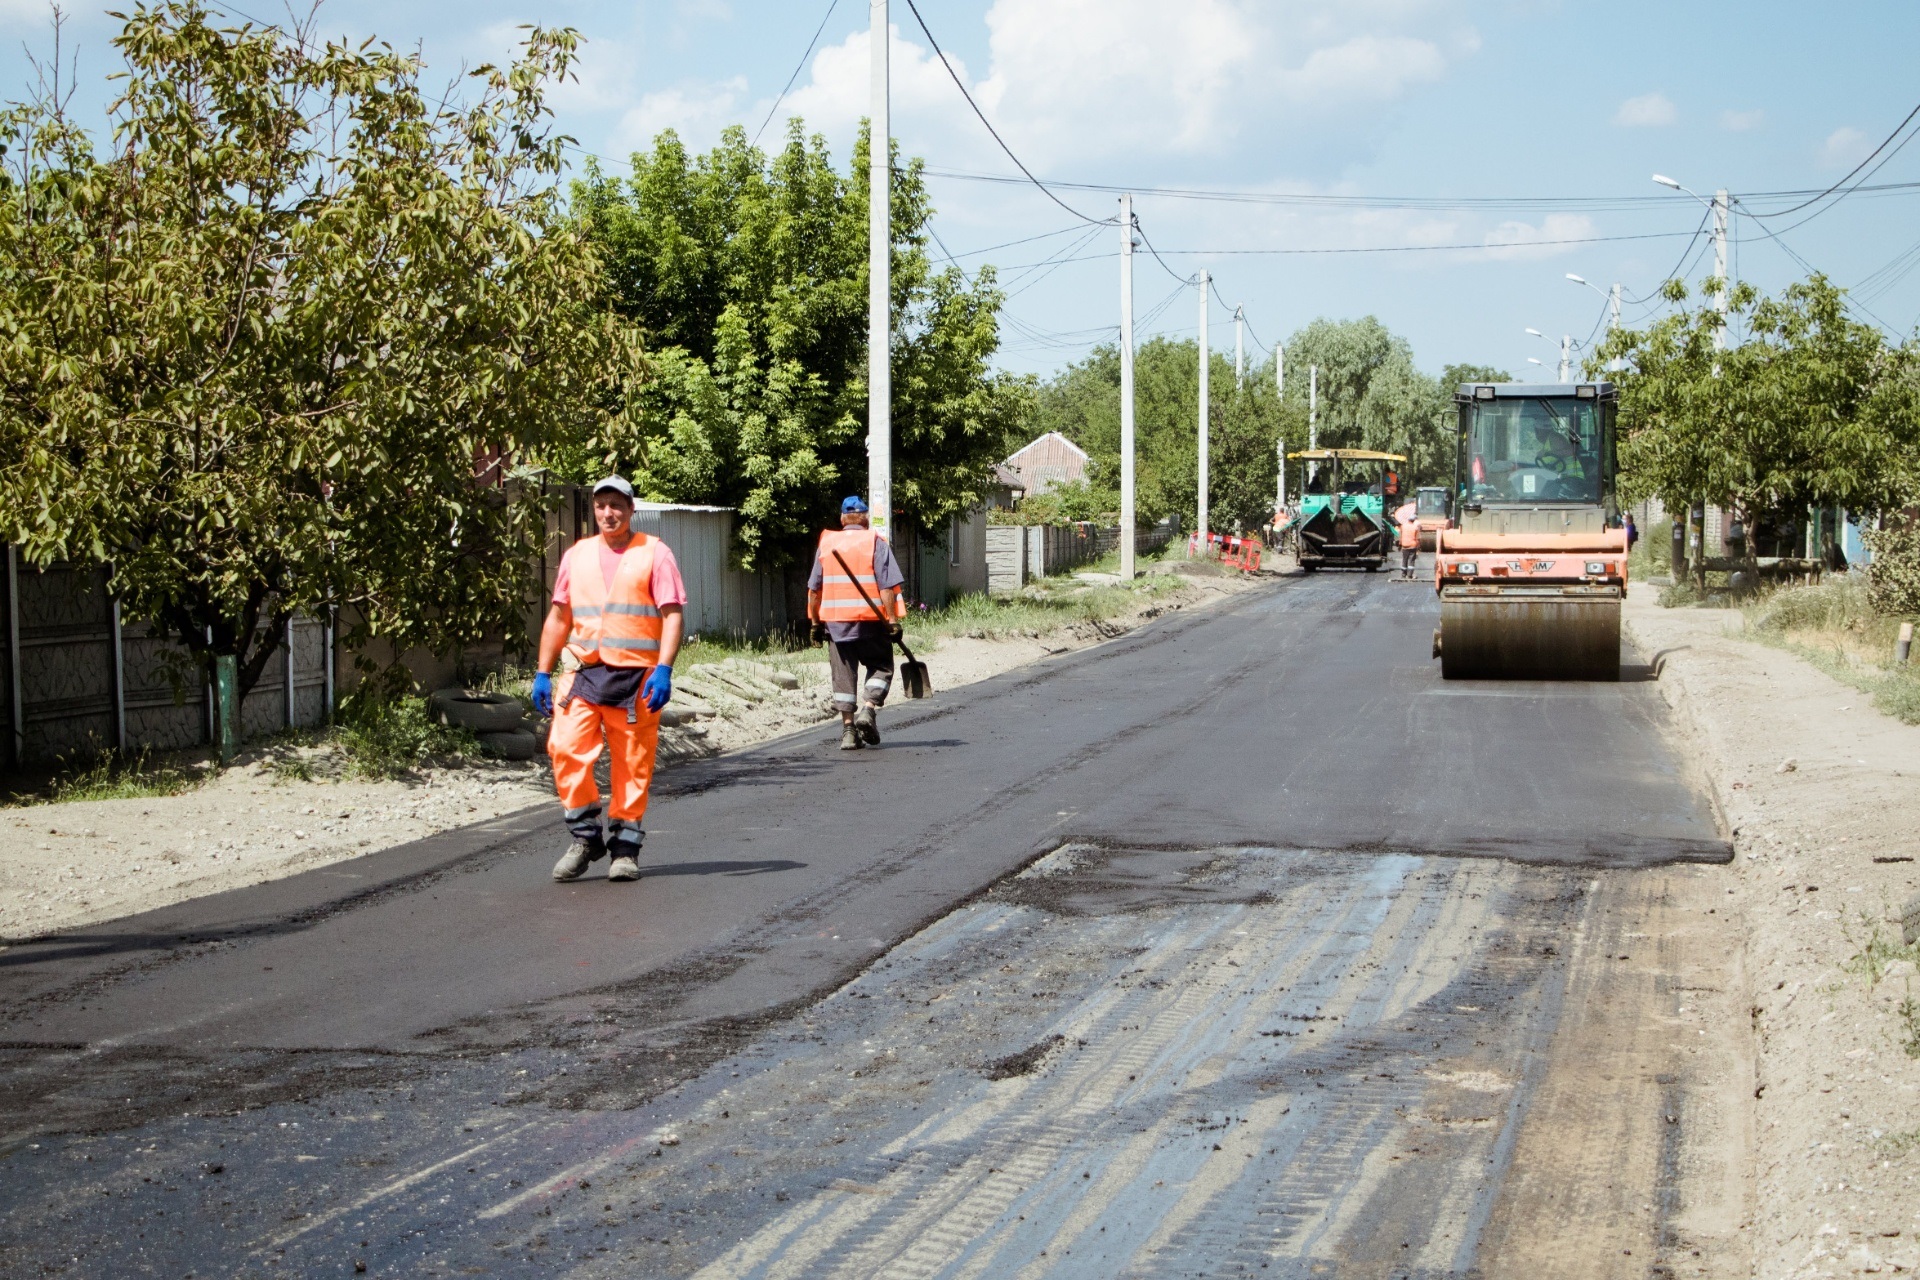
<point>618,623</point>
<point>839,598</point>
<point>1409,521</point>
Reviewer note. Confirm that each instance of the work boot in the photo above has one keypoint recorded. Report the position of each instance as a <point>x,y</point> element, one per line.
<point>850,738</point>
<point>625,866</point>
<point>574,862</point>
<point>866,723</point>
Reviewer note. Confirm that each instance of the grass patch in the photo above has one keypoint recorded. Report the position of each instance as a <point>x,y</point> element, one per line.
<point>1877,952</point>
<point>1652,553</point>
<point>115,777</point>
<point>1834,626</point>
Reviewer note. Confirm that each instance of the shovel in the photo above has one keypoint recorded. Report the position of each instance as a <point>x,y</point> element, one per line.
<point>914,681</point>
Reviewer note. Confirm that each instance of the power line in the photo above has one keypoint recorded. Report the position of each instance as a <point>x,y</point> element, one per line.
<point>1595,204</point>
<point>928,33</point>
<point>1781,213</point>
<point>1677,266</point>
<point>798,68</point>
<point>1184,280</point>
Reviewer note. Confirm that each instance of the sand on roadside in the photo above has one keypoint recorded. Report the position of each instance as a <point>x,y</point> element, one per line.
<point>63,866</point>
<point>1819,792</point>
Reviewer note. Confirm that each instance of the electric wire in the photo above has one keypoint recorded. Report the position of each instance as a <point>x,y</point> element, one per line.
<point>1781,213</point>
<point>1846,300</point>
<point>798,68</point>
<point>1018,163</point>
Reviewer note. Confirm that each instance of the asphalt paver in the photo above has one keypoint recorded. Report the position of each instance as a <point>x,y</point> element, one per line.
<point>440,1053</point>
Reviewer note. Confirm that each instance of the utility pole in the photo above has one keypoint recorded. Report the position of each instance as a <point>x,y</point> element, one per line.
<point>879,284</point>
<point>1279,372</point>
<point>1613,307</point>
<point>1239,348</point>
<point>1566,352</point>
<point>1126,388</point>
<point>1720,264</point>
<point>1313,416</point>
<point>1206,282</point>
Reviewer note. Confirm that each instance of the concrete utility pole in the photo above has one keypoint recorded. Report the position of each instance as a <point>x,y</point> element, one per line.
<point>1126,388</point>
<point>1566,355</point>
<point>880,285</point>
<point>1279,372</point>
<point>1720,264</point>
<point>1239,348</point>
<point>1613,307</point>
<point>1313,416</point>
<point>1206,282</point>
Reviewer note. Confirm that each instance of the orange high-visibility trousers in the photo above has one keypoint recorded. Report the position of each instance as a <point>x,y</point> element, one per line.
<point>580,732</point>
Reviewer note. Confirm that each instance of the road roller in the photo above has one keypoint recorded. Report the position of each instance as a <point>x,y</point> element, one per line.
<point>1533,571</point>
<point>1342,521</point>
<point>1431,507</point>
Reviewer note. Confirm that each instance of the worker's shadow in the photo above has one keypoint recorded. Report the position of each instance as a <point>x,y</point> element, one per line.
<point>757,868</point>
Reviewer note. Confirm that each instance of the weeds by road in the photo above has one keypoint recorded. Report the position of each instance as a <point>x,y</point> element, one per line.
<point>1834,626</point>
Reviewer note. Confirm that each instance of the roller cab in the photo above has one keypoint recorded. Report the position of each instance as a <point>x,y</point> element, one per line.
<point>1432,512</point>
<point>1532,573</point>
<point>1342,518</point>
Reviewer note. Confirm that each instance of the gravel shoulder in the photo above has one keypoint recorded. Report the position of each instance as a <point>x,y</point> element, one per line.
<point>1818,790</point>
<point>64,866</point>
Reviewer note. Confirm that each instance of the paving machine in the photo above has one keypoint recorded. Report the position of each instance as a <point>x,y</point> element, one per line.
<point>1342,517</point>
<point>1432,511</point>
<point>1533,571</point>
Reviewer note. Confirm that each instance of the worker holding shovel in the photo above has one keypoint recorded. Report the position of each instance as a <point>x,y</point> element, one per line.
<point>854,604</point>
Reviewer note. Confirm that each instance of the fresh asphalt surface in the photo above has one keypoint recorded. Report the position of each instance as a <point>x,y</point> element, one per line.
<point>387,1008</point>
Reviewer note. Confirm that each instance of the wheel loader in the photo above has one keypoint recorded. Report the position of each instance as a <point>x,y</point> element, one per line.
<point>1342,521</point>
<point>1532,574</point>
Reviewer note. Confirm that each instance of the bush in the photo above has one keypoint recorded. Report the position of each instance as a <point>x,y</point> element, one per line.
<point>1893,576</point>
<point>386,734</point>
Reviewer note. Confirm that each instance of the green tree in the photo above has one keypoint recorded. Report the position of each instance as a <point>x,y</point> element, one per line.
<point>1814,408</point>
<point>272,352</point>
<point>1371,396</point>
<point>1082,402</point>
<point>748,272</point>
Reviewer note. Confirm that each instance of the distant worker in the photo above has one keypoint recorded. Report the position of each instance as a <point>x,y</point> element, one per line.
<point>1633,531</point>
<point>1408,519</point>
<point>617,618</point>
<point>853,602</point>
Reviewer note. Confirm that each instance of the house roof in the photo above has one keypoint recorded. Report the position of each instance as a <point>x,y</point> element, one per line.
<point>1003,474</point>
<point>1051,435</point>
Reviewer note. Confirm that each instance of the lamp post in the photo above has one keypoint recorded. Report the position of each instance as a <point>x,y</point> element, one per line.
<point>1720,205</point>
<point>1567,344</point>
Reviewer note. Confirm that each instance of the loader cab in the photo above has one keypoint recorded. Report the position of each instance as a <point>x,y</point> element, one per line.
<point>1432,502</point>
<point>1535,457</point>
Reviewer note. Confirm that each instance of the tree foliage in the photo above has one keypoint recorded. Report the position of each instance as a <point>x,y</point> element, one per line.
<point>1082,402</point>
<point>748,272</point>
<point>1372,397</point>
<point>1812,408</point>
<point>264,356</point>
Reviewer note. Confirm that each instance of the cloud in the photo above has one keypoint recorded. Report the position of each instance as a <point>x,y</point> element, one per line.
<point>1844,148</point>
<point>1074,83</point>
<point>1649,110</point>
<point>697,112</point>
<point>1742,121</point>
<point>1515,241</point>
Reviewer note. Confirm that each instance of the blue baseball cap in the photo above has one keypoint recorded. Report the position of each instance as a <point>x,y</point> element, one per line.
<point>854,502</point>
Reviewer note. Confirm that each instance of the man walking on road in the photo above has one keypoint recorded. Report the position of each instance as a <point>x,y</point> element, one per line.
<point>617,618</point>
<point>1408,519</point>
<point>858,629</point>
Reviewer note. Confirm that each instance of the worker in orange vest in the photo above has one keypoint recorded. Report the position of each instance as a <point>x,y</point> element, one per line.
<point>615,629</point>
<point>850,560</point>
<point>1408,518</point>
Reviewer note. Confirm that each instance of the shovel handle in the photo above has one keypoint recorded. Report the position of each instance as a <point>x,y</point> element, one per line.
<point>846,569</point>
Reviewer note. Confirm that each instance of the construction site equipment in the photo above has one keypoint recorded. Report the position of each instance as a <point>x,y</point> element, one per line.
<point>1433,511</point>
<point>1341,521</point>
<point>1532,576</point>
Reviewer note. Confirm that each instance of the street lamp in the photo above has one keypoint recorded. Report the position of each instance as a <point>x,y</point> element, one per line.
<point>1566,351</point>
<point>1719,205</point>
<point>1613,304</point>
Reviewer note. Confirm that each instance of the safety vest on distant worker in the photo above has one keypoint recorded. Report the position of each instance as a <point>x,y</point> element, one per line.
<point>618,623</point>
<point>840,599</point>
<point>1408,519</point>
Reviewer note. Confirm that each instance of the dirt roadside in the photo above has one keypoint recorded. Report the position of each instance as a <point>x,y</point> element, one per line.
<point>1819,792</point>
<point>69,865</point>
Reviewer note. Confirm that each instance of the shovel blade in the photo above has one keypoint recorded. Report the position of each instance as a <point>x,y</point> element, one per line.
<point>914,679</point>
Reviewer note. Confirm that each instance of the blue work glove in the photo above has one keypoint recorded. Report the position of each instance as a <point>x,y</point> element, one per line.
<point>543,692</point>
<point>658,687</point>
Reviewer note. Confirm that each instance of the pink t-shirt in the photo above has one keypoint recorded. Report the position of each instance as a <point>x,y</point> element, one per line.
<point>667,585</point>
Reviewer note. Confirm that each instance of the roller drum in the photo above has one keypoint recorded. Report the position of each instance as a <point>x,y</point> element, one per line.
<point>1530,634</point>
